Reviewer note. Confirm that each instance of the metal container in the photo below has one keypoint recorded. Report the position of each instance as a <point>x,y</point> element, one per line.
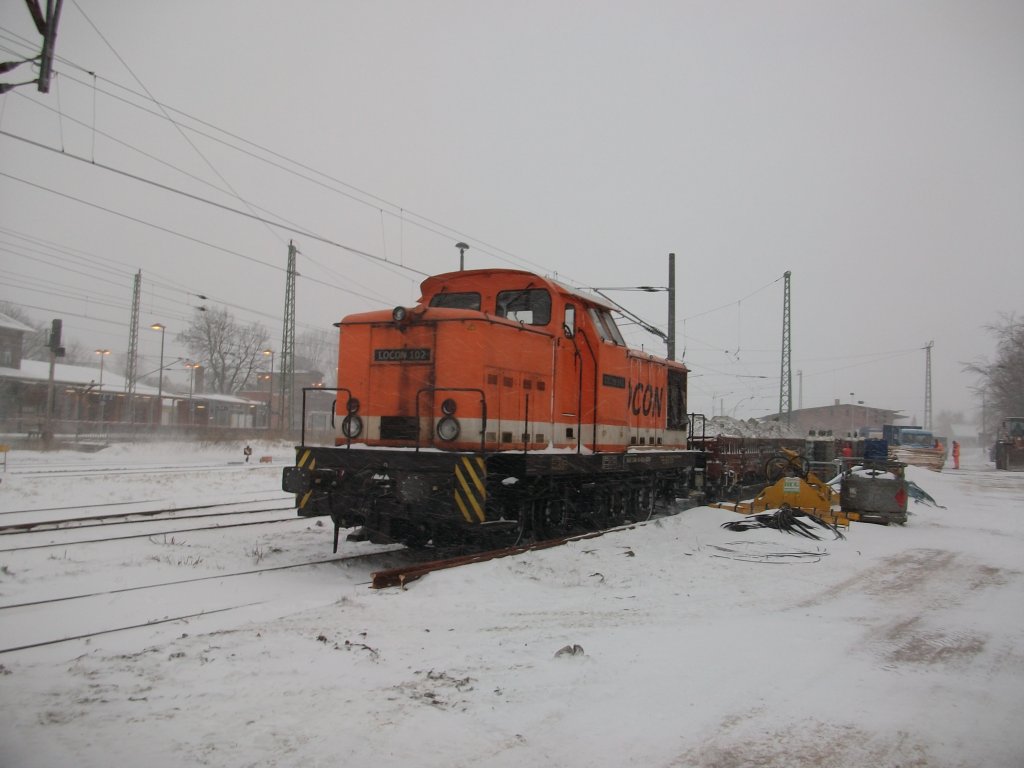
<point>877,499</point>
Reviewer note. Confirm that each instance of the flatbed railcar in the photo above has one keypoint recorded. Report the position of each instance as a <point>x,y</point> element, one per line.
<point>735,465</point>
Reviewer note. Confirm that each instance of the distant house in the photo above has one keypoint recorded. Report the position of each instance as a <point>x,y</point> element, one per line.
<point>86,400</point>
<point>78,397</point>
<point>12,335</point>
<point>840,419</point>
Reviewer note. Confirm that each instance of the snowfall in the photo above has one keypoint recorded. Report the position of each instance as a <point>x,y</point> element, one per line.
<point>697,646</point>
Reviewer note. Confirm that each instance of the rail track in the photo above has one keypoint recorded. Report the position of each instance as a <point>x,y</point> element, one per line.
<point>92,470</point>
<point>84,614</point>
<point>79,506</point>
<point>153,534</point>
<point>25,535</point>
<point>402,575</point>
<point>139,516</point>
<point>184,593</point>
<point>29,621</point>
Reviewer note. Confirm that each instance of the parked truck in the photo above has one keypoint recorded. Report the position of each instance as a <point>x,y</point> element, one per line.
<point>1009,447</point>
<point>914,445</point>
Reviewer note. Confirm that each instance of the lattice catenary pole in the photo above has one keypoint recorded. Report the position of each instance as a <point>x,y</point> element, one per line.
<point>786,374</point>
<point>928,385</point>
<point>288,344</point>
<point>131,365</point>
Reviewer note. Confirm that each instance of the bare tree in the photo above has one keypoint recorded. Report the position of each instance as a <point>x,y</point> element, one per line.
<point>229,351</point>
<point>318,351</point>
<point>76,354</point>
<point>1001,382</point>
<point>34,346</point>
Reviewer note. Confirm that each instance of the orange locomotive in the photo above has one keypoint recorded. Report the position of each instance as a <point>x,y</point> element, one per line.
<point>502,402</point>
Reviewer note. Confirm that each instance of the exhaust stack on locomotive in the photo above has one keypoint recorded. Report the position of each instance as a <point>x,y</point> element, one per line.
<point>501,402</point>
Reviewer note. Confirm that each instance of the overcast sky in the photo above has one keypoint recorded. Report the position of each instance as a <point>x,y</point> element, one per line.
<point>875,149</point>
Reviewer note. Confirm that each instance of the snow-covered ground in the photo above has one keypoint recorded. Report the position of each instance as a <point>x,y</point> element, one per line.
<point>899,646</point>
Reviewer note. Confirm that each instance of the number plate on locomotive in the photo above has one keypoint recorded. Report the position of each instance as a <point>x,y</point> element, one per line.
<point>401,355</point>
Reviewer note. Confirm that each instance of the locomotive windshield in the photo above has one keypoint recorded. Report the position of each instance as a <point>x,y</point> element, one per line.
<point>467,300</point>
<point>531,306</point>
<point>606,327</point>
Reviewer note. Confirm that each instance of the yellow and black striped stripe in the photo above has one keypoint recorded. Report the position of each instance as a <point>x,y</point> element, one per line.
<point>302,458</point>
<point>471,487</point>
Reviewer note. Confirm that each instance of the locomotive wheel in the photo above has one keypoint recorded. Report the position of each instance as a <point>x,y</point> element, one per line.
<point>648,497</point>
<point>554,519</point>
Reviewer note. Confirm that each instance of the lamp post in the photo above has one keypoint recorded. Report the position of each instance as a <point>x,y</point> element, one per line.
<point>270,396</point>
<point>191,381</point>
<point>160,388</point>
<point>102,353</point>
<point>463,247</point>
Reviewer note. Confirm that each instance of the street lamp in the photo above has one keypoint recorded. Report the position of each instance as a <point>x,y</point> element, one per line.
<point>270,396</point>
<point>160,389</point>
<point>463,247</point>
<point>191,380</point>
<point>102,353</point>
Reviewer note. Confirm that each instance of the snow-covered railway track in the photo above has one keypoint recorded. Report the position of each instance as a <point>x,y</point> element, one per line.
<point>216,526</point>
<point>94,471</point>
<point>30,624</point>
<point>79,506</point>
<point>39,520</point>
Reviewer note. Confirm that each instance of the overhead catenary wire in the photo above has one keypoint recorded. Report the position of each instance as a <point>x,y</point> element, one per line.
<point>191,196</point>
<point>138,80</point>
<point>398,212</point>
<point>167,230</point>
<point>113,267</point>
<point>149,155</point>
<point>368,198</point>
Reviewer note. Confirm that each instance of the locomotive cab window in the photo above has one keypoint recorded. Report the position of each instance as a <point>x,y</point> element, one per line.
<point>531,306</point>
<point>613,329</point>
<point>569,326</point>
<point>467,300</point>
<point>605,325</point>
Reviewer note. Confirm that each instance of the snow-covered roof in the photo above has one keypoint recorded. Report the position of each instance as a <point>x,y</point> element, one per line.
<point>83,375</point>
<point>78,375</point>
<point>229,399</point>
<point>6,321</point>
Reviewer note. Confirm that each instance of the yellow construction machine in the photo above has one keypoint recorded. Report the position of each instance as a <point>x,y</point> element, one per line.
<point>792,484</point>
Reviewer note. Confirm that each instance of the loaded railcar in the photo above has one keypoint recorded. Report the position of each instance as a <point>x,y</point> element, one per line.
<point>736,465</point>
<point>502,402</point>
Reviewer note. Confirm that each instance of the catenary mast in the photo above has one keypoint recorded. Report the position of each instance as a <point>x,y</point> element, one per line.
<point>786,374</point>
<point>288,343</point>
